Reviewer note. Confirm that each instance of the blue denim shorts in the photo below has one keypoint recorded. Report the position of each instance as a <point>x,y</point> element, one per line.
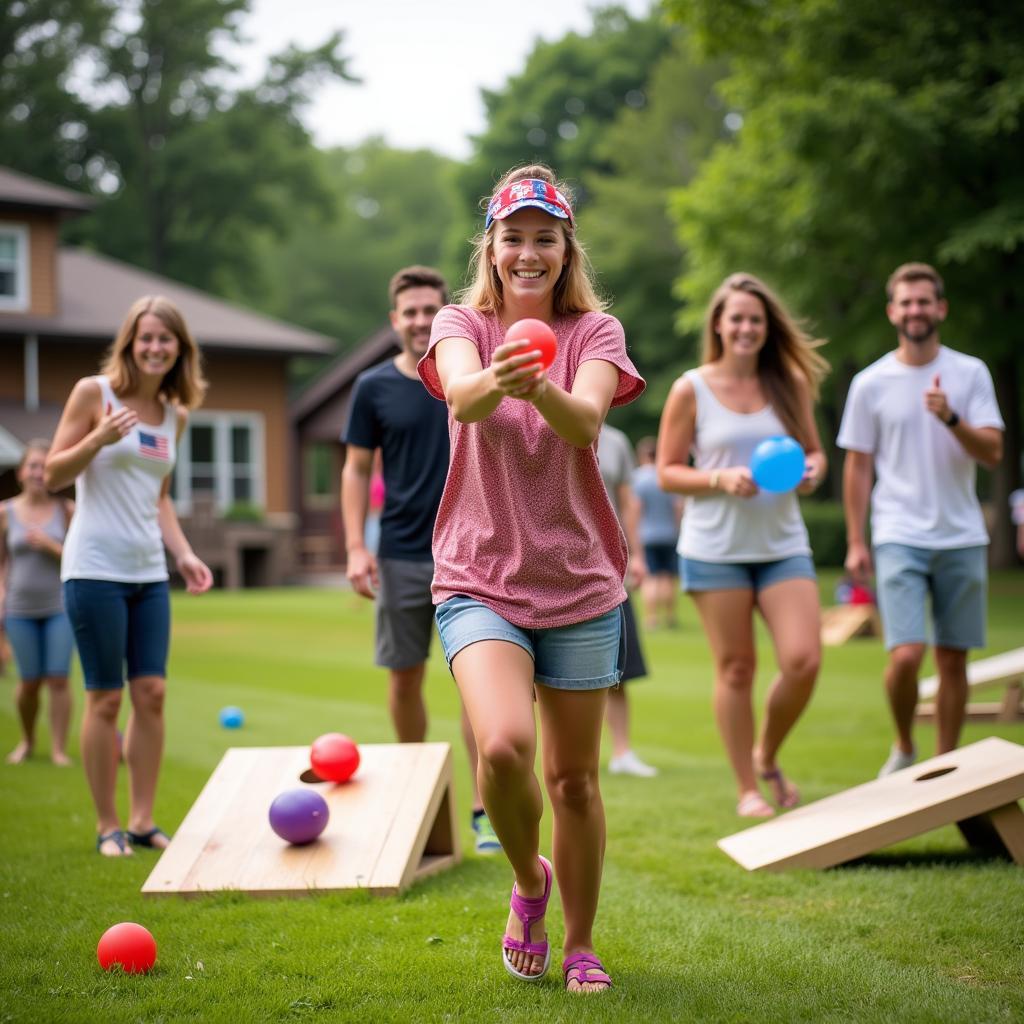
<point>698,575</point>
<point>119,627</point>
<point>585,656</point>
<point>957,582</point>
<point>42,647</point>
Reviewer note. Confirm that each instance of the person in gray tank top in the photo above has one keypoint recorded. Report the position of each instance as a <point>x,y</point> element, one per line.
<point>116,441</point>
<point>743,548</point>
<point>32,529</point>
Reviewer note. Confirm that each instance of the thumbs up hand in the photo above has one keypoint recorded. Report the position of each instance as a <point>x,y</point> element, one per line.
<point>936,401</point>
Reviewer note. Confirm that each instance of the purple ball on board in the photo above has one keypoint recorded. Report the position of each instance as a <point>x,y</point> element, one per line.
<point>299,815</point>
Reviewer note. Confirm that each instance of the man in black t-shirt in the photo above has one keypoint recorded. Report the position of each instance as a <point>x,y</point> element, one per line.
<point>392,410</point>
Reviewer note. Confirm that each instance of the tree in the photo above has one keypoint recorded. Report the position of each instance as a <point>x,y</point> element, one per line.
<point>871,135</point>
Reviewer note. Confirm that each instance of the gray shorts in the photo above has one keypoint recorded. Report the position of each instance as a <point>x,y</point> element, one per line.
<point>405,613</point>
<point>956,581</point>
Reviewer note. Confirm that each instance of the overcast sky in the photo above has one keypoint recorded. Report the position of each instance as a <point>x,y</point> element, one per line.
<point>422,64</point>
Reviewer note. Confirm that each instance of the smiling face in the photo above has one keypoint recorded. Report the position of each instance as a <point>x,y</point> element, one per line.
<point>916,310</point>
<point>155,347</point>
<point>414,312</point>
<point>742,325</point>
<point>529,253</point>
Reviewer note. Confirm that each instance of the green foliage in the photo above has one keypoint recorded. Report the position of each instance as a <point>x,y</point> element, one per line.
<point>826,528</point>
<point>244,512</point>
<point>558,108</point>
<point>387,209</point>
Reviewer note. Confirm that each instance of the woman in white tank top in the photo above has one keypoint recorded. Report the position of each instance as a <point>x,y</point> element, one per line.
<point>116,442</point>
<point>744,548</point>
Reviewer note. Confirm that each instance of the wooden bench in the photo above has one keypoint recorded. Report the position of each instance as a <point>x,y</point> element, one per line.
<point>1006,669</point>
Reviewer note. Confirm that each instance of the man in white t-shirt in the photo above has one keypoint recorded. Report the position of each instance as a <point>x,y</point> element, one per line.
<point>919,420</point>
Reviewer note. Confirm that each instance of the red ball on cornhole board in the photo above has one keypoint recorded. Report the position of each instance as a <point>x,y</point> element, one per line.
<point>539,336</point>
<point>334,757</point>
<point>127,945</point>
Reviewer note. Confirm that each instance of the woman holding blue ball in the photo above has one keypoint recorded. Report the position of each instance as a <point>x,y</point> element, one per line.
<point>745,547</point>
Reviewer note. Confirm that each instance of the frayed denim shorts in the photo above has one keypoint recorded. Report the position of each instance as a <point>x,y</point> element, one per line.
<point>699,575</point>
<point>584,656</point>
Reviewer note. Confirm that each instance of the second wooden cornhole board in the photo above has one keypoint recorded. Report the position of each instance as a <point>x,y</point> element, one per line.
<point>392,824</point>
<point>1006,669</point>
<point>846,621</point>
<point>981,781</point>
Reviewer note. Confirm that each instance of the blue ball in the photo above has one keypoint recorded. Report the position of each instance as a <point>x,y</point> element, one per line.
<point>777,464</point>
<point>231,717</point>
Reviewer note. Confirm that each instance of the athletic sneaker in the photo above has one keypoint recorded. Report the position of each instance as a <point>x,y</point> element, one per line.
<point>487,840</point>
<point>897,762</point>
<point>629,764</point>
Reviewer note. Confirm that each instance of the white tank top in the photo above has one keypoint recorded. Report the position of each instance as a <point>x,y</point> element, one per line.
<point>114,533</point>
<point>721,527</point>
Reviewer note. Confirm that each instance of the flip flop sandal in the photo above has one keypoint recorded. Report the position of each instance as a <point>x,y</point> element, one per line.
<point>116,836</point>
<point>588,971</point>
<point>753,805</point>
<point>786,794</point>
<point>146,838</point>
<point>529,910</point>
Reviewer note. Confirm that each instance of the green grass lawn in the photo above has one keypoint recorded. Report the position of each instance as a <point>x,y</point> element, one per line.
<point>926,931</point>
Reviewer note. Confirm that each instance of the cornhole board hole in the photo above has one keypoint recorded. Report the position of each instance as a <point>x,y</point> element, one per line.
<point>977,787</point>
<point>390,825</point>
<point>1006,669</point>
<point>846,621</point>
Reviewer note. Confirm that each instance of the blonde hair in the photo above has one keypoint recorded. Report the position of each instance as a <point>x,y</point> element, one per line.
<point>37,444</point>
<point>184,382</point>
<point>788,356</point>
<point>575,291</point>
<point>915,272</point>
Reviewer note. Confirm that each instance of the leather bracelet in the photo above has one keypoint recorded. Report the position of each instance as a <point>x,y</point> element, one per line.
<point>713,481</point>
<point>953,420</point>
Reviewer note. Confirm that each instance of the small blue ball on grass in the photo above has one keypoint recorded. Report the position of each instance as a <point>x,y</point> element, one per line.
<point>298,816</point>
<point>777,464</point>
<point>231,718</point>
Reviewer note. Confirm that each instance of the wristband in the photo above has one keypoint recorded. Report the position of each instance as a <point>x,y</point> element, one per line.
<point>713,481</point>
<point>953,420</point>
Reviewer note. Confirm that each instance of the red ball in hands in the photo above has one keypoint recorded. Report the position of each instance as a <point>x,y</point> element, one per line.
<point>334,757</point>
<point>539,336</point>
<point>127,945</point>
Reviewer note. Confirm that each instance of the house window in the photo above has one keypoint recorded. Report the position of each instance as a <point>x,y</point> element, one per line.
<point>14,283</point>
<point>221,457</point>
<point>321,486</point>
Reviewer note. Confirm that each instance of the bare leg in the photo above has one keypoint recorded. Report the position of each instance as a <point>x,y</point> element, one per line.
<point>406,704</point>
<point>951,701</point>
<point>99,746</point>
<point>60,719</point>
<point>571,727</point>
<point>794,619</point>
<point>649,592</point>
<point>901,686</point>
<point>618,720</point>
<point>27,702</point>
<point>143,750</point>
<point>668,593</point>
<point>728,621</point>
<point>470,740</point>
<point>495,679</point>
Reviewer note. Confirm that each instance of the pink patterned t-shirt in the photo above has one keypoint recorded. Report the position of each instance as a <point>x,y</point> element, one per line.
<point>525,525</point>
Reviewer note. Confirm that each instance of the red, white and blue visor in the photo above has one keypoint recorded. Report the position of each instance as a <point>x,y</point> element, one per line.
<point>528,192</point>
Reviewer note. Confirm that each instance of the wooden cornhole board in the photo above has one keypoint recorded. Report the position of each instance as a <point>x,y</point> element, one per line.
<point>846,621</point>
<point>392,824</point>
<point>977,787</point>
<point>1006,669</point>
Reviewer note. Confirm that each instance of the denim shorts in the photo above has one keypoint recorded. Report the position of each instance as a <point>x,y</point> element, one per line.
<point>661,559</point>
<point>42,647</point>
<point>119,626</point>
<point>957,581</point>
<point>584,656</point>
<point>699,575</point>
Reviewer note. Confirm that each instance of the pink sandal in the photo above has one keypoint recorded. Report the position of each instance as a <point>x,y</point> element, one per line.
<point>588,971</point>
<point>786,794</point>
<point>529,910</point>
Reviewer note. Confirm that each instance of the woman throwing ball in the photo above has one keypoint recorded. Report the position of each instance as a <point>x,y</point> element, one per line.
<point>529,557</point>
<point>116,442</point>
<point>744,548</point>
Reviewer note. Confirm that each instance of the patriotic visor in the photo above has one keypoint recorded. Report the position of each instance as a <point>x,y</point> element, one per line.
<point>528,192</point>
